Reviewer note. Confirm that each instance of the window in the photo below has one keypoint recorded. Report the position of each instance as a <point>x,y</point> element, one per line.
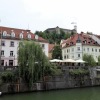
<point>78,55</point>
<point>4,33</point>
<point>95,50</point>
<point>29,36</point>
<point>12,43</point>
<point>12,34</point>
<point>11,53</point>
<point>10,62</point>
<point>2,43</point>
<point>2,62</point>
<point>78,48</point>
<point>67,56</point>
<point>64,57</point>
<point>72,49</point>
<point>2,52</point>
<point>99,50</point>
<point>21,35</point>
<point>67,50</point>
<point>85,41</point>
<point>72,56</point>
<point>43,45</point>
<point>92,49</point>
<point>87,49</point>
<point>84,49</point>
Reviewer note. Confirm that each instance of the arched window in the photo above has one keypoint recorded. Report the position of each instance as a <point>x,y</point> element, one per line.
<point>29,36</point>
<point>12,34</point>
<point>21,35</point>
<point>4,33</point>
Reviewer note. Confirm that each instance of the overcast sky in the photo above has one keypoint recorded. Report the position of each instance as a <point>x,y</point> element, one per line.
<point>42,14</point>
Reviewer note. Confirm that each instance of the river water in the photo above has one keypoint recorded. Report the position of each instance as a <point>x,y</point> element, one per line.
<point>92,93</point>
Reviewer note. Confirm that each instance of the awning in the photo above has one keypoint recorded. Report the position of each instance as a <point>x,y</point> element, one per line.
<point>55,60</point>
<point>97,69</point>
<point>69,60</point>
<point>80,61</point>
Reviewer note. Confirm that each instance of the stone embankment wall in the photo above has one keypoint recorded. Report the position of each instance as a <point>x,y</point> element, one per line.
<point>64,81</point>
<point>50,83</point>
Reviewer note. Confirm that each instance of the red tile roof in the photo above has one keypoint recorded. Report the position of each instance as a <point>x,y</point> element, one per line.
<point>51,46</point>
<point>85,40</point>
<point>18,31</point>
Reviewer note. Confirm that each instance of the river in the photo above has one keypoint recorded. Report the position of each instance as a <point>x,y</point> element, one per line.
<point>92,93</point>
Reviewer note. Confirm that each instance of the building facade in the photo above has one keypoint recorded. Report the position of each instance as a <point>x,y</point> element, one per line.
<point>10,39</point>
<point>78,45</point>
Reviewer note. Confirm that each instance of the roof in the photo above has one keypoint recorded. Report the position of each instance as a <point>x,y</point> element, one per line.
<point>98,36</point>
<point>51,46</point>
<point>17,33</point>
<point>85,40</point>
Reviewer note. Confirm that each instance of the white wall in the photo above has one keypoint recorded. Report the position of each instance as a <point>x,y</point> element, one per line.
<point>83,49</point>
<point>46,48</point>
<point>7,48</point>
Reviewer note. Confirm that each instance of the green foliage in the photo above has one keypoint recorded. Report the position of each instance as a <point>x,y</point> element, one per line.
<point>7,77</point>
<point>89,59</point>
<point>79,72</point>
<point>53,37</point>
<point>55,70</point>
<point>57,53</point>
<point>99,60</point>
<point>33,64</point>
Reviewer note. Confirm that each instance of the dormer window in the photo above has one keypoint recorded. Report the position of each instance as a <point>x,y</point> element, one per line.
<point>4,33</point>
<point>85,41</point>
<point>29,36</point>
<point>12,34</point>
<point>21,35</point>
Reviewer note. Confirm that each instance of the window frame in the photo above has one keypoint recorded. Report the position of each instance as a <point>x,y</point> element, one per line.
<point>11,53</point>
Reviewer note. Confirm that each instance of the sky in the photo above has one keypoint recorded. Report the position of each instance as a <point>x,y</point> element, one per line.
<point>38,15</point>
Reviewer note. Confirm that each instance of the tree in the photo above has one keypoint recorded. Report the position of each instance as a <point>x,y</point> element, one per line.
<point>99,60</point>
<point>57,53</point>
<point>33,64</point>
<point>53,37</point>
<point>89,59</point>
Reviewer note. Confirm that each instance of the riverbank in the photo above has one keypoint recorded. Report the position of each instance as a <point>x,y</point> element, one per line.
<point>52,83</point>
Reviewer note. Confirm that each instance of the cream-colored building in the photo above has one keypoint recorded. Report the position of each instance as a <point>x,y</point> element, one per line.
<point>10,41</point>
<point>79,44</point>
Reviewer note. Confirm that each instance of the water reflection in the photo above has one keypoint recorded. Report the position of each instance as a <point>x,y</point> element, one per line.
<point>69,94</point>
